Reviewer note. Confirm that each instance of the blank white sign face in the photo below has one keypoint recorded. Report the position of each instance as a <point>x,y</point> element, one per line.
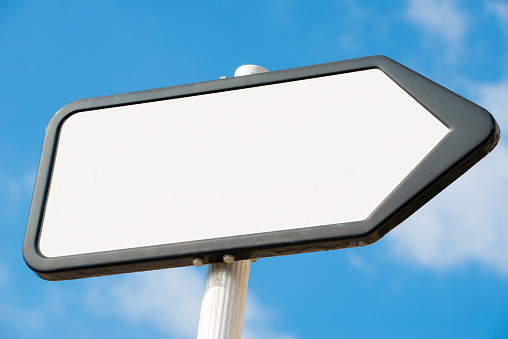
<point>304,153</point>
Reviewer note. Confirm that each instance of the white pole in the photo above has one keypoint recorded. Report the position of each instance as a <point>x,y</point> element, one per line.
<point>223,302</point>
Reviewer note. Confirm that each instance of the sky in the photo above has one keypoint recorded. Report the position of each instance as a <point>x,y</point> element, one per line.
<point>441,273</point>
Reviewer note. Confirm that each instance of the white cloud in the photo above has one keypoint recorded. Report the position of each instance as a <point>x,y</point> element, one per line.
<point>468,221</point>
<point>356,261</point>
<point>14,188</point>
<point>27,322</point>
<point>259,322</point>
<point>494,97</point>
<point>441,21</point>
<point>30,318</point>
<point>500,9</point>
<point>465,223</point>
<point>170,300</point>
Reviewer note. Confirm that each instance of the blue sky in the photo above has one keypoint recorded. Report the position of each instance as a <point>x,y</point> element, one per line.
<point>441,273</point>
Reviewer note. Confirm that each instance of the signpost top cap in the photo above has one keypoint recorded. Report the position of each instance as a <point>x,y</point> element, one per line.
<point>249,69</point>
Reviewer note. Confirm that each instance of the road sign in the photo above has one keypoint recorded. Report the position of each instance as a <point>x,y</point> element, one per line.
<point>307,159</point>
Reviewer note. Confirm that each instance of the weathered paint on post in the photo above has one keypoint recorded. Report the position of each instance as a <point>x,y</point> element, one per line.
<point>223,304</point>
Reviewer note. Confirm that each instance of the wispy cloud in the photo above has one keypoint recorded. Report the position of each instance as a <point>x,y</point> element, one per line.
<point>494,97</point>
<point>170,300</point>
<point>29,318</point>
<point>500,9</point>
<point>443,23</point>
<point>26,322</point>
<point>467,221</point>
<point>260,322</point>
<point>13,189</point>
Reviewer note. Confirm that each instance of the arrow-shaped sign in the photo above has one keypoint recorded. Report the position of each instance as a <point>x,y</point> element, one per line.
<point>307,159</point>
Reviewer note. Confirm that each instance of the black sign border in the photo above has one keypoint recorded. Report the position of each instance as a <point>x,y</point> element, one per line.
<point>473,134</point>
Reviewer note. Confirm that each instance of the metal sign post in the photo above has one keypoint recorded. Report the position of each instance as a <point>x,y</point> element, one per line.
<point>226,283</point>
<point>223,303</point>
